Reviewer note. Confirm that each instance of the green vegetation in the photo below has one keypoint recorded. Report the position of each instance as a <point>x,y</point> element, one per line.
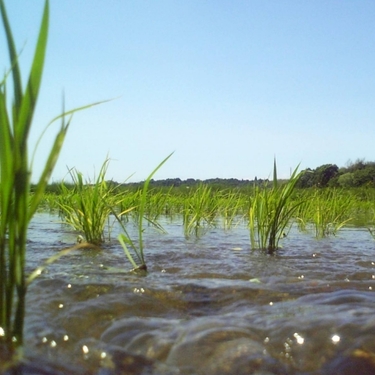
<point>18,203</point>
<point>357,174</point>
<point>125,239</point>
<point>199,210</point>
<point>271,212</point>
<point>324,199</point>
<point>232,207</point>
<point>327,211</point>
<point>269,208</point>
<point>86,206</point>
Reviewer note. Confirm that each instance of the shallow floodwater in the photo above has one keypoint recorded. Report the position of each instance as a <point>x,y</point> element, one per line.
<point>207,305</point>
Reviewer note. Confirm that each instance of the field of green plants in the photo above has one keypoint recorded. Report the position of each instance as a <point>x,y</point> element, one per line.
<point>269,210</point>
<point>94,207</point>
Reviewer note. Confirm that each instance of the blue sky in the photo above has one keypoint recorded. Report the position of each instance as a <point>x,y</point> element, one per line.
<point>226,85</point>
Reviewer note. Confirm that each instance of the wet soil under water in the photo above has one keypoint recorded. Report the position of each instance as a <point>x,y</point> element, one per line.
<point>206,306</point>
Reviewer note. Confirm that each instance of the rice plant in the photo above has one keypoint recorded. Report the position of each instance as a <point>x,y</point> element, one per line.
<point>230,205</point>
<point>17,203</point>
<point>329,210</point>
<point>271,211</point>
<point>87,206</point>
<point>157,204</point>
<point>200,211</point>
<point>128,244</point>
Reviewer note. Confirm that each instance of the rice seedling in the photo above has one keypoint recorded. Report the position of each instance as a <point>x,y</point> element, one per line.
<point>87,206</point>
<point>329,210</point>
<point>362,209</point>
<point>271,211</point>
<point>157,204</point>
<point>300,214</point>
<point>137,260</point>
<point>200,211</point>
<point>17,203</point>
<point>174,205</point>
<point>230,205</point>
<point>49,203</point>
<point>129,199</point>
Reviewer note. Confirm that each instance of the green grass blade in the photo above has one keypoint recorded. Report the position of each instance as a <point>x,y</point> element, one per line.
<point>47,171</point>
<point>26,111</point>
<point>123,239</point>
<point>62,116</point>
<point>33,275</point>
<point>6,162</point>
<point>143,204</point>
<point>275,183</point>
<point>13,57</point>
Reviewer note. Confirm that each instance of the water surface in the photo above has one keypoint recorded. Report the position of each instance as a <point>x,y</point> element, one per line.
<point>207,306</point>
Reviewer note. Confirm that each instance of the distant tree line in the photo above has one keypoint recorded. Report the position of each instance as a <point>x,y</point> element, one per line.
<point>215,183</point>
<point>355,174</point>
<point>176,183</point>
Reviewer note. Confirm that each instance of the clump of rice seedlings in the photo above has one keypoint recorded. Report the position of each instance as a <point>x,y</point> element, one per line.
<point>87,206</point>
<point>271,212</point>
<point>230,205</point>
<point>362,208</point>
<point>158,203</point>
<point>330,210</point>
<point>301,214</point>
<point>49,203</point>
<point>174,205</point>
<point>129,199</point>
<point>200,211</point>
<point>134,251</point>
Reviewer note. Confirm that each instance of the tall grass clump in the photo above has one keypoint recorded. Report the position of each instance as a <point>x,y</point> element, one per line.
<point>87,205</point>
<point>158,203</point>
<point>328,211</point>
<point>17,203</point>
<point>231,205</point>
<point>271,212</point>
<point>200,211</point>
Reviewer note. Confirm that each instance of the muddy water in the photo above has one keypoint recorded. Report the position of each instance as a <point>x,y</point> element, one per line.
<point>207,306</point>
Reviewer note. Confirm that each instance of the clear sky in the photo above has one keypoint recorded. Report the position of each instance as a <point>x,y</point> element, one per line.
<point>225,84</point>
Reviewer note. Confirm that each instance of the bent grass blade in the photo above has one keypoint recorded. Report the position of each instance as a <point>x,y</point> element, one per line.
<point>125,239</point>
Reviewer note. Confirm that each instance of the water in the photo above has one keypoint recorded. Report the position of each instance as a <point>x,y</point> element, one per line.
<point>207,306</point>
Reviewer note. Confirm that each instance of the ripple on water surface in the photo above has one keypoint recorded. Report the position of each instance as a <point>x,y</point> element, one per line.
<point>207,306</point>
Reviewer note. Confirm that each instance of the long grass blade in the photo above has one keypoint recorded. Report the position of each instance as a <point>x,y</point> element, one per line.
<point>143,204</point>
<point>26,111</point>
<point>13,57</point>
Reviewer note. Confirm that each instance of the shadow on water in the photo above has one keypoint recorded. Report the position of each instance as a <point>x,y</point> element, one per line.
<point>207,306</point>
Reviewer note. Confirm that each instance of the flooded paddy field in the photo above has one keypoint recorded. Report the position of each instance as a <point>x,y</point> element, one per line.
<point>207,305</point>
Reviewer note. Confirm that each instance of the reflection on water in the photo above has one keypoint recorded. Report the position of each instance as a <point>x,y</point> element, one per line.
<point>207,306</point>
